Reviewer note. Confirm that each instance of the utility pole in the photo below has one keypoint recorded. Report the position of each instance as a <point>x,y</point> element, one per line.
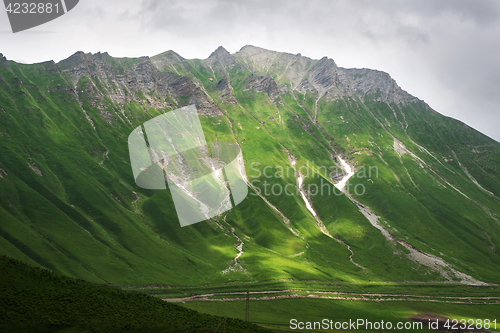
<point>247,312</point>
<point>224,329</point>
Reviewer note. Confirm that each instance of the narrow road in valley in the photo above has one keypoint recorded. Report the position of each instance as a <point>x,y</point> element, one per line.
<point>268,295</point>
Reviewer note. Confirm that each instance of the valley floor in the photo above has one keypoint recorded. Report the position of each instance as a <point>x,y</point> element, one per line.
<point>274,306</point>
<point>279,314</point>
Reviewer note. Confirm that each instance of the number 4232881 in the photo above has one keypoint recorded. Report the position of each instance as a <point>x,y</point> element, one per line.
<point>32,8</point>
<point>470,324</point>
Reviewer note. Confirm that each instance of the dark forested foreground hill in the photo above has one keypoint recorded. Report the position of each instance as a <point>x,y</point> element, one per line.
<point>423,205</point>
<point>37,300</point>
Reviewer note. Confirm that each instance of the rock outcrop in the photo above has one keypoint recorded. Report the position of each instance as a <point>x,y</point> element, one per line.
<point>226,91</point>
<point>163,81</point>
<point>142,80</point>
<point>322,76</point>
<point>263,84</point>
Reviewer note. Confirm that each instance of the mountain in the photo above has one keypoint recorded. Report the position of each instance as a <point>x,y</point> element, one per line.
<point>422,205</point>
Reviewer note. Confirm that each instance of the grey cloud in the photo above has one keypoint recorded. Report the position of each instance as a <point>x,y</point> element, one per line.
<point>218,17</point>
<point>479,11</point>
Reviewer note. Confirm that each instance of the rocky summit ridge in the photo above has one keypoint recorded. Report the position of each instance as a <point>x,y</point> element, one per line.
<point>163,74</point>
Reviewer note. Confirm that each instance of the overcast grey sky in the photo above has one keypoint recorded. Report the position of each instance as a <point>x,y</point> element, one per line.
<point>445,52</point>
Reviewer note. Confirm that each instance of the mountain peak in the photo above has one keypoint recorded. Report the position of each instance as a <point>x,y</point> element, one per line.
<point>77,54</point>
<point>252,50</point>
<point>218,52</point>
<point>223,57</point>
<point>72,61</point>
<point>325,61</point>
<point>169,54</point>
<point>249,47</point>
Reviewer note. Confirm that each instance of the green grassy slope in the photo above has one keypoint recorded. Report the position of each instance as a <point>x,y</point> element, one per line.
<point>68,201</point>
<point>37,300</point>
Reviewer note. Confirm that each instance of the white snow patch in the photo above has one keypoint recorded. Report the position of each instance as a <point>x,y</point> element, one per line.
<point>308,205</point>
<point>300,181</point>
<point>347,168</point>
